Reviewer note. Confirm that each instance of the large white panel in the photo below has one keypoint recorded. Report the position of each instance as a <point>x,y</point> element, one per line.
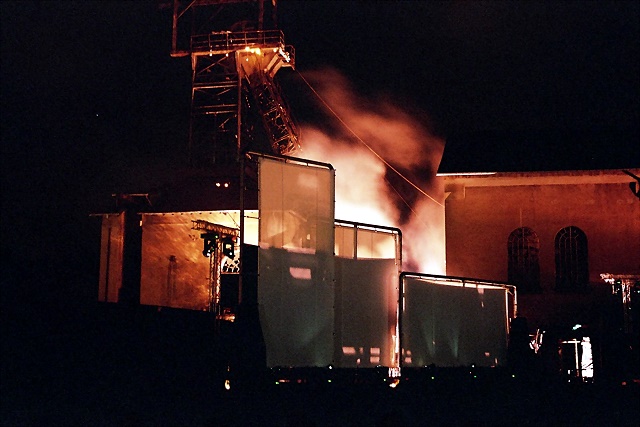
<point>295,262</point>
<point>366,312</point>
<point>295,302</point>
<point>296,206</point>
<point>449,325</point>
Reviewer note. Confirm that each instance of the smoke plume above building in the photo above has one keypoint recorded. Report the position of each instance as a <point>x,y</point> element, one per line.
<point>386,158</point>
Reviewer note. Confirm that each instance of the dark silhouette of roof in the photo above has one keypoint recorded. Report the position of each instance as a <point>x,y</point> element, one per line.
<point>550,150</point>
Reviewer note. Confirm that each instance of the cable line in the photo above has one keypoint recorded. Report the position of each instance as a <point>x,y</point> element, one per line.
<point>367,145</point>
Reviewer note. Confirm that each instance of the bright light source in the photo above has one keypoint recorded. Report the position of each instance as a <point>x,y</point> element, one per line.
<point>577,326</point>
<point>227,385</point>
<point>394,372</point>
<point>587,359</point>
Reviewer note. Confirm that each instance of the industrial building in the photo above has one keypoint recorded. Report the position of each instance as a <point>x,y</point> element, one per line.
<point>564,238</point>
<point>250,230</point>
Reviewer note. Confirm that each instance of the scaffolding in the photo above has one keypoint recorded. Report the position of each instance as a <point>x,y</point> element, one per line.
<point>219,243</point>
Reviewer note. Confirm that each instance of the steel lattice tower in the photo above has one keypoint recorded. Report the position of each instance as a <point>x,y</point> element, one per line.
<point>236,105</point>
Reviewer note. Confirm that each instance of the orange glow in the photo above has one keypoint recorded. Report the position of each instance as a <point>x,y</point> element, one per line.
<point>363,192</point>
<point>349,351</point>
<point>256,51</point>
<point>300,273</point>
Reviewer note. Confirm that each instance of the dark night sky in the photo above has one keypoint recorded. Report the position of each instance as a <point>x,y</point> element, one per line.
<point>90,94</point>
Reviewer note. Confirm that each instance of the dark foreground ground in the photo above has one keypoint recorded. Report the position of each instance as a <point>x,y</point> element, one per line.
<point>106,366</point>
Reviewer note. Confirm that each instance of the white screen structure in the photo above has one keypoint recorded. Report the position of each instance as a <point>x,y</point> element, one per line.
<point>295,262</point>
<point>447,324</point>
<point>367,268</point>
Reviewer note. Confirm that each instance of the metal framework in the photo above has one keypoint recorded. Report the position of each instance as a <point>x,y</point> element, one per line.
<point>218,234</point>
<point>626,288</point>
<point>464,282</point>
<point>236,105</point>
<point>572,260</point>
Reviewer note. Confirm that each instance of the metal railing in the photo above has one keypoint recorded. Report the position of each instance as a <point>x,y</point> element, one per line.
<point>227,41</point>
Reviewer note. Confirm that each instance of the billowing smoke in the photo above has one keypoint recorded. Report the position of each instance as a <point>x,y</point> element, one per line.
<point>373,145</point>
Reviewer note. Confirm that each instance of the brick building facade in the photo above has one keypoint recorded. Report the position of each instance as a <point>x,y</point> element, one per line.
<point>552,234</point>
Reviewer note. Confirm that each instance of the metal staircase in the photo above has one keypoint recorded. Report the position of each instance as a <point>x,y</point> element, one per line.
<point>281,130</point>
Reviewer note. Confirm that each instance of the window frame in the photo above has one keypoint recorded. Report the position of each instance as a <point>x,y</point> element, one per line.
<point>571,259</point>
<point>523,249</point>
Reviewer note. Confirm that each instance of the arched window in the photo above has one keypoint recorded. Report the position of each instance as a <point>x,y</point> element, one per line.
<point>524,268</point>
<point>572,262</point>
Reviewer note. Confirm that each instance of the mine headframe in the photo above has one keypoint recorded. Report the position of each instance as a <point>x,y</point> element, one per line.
<point>236,104</point>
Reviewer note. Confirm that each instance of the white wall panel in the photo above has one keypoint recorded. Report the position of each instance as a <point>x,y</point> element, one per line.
<point>449,325</point>
<point>295,262</point>
<point>366,312</point>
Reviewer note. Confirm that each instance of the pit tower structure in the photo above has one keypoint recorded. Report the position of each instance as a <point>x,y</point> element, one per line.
<point>236,104</point>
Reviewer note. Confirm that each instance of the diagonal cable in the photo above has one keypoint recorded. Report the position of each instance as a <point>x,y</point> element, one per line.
<point>328,107</point>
